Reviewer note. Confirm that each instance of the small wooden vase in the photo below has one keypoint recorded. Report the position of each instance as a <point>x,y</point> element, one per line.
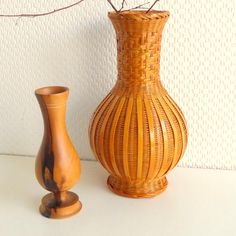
<point>57,165</point>
<point>138,133</point>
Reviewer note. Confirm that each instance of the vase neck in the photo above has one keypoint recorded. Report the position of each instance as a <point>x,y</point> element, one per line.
<point>54,117</point>
<point>138,57</point>
<point>138,45</point>
<point>53,107</point>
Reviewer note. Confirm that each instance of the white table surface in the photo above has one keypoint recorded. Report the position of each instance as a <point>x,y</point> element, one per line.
<point>197,202</point>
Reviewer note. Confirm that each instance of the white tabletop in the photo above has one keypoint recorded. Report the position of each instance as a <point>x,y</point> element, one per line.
<point>197,202</point>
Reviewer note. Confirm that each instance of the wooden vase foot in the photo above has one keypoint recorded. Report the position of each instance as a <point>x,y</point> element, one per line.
<point>56,207</point>
<point>137,190</point>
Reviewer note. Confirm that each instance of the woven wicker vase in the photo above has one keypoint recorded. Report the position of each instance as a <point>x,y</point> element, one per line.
<point>138,133</point>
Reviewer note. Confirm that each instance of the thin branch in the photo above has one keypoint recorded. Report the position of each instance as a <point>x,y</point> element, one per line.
<point>41,14</point>
<point>139,6</point>
<point>152,6</point>
<point>122,5</point>
<point>112,5</point>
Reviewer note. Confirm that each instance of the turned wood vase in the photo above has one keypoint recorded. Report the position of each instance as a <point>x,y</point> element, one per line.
<point>57,164</point>
<point>138,133</point>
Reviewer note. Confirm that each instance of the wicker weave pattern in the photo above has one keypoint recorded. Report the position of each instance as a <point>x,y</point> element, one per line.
<point>138,133</point>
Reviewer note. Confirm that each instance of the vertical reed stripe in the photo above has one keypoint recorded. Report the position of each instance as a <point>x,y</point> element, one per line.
<point>98,114</point>
<point>166,161</point>
<point>176,127</point>
<point>181,116</point>
<point>178,135</point>
<point>102,132</point>
<point>153,157</point>
<point>140,137</point>
<point>180,122</point>
<point>176,107</point>
<point>112,135</point>
<point>126,137</point>
<point>163,131</point>
<point>103,103</point>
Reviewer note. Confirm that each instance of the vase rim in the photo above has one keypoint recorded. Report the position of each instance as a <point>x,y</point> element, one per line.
<point>139,14</point>
<point>51,90</point>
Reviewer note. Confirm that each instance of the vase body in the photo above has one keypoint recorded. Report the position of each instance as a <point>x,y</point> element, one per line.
<point>57,164</point>
<point>138,133</point>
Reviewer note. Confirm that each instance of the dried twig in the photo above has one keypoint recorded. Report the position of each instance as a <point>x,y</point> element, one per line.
<point>152,6</point>
<point>122,5</point>
<point>139,6</point>
<point>112,5</point>
<point>41,14</point>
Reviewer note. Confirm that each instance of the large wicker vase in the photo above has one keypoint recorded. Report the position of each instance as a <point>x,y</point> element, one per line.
<point>138,133</point>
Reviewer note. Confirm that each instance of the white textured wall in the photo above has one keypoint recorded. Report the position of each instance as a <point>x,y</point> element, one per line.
<point>76,48</point>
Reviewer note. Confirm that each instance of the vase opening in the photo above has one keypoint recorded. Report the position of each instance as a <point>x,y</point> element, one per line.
<point>51,90</point>
<point>140,13</point>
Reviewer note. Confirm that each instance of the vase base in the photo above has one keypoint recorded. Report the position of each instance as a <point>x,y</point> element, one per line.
<point>50,208</point>
<point>137,190</point>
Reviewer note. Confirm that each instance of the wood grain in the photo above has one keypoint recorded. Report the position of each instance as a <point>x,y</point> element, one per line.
<point>57,164</point>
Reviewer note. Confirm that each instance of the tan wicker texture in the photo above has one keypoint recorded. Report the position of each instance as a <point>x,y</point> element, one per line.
<point>138,133</point>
